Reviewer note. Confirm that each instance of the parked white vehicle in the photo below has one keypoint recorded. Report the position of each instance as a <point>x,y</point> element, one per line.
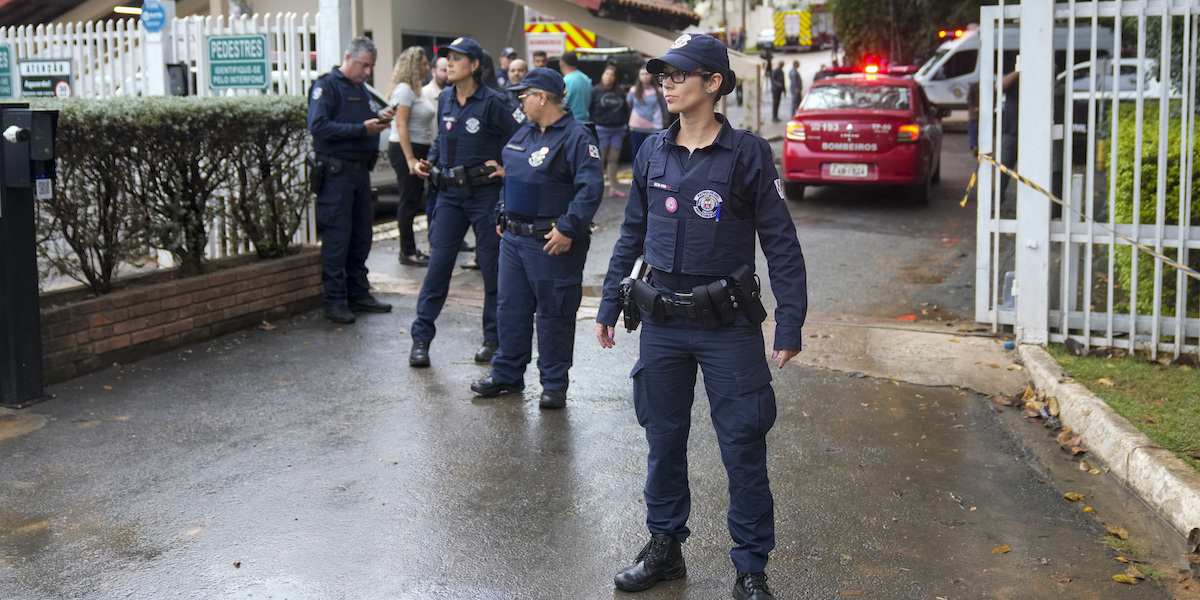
<point>955,65</point>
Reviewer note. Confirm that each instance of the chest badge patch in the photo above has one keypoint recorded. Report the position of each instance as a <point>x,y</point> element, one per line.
<point>707,203</point>
<point>317,91</point>
<point>671,204</point>
<point>593,151</point>
<point>779,188</point>
<point>537,158</point>
<point>449,125</point>
<point>518,116</point>
<point>472,125</point>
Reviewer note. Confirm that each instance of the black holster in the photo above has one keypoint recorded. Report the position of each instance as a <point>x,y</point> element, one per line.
<point>629,308</point>
<point>749,293</point>
<point>317,170</point>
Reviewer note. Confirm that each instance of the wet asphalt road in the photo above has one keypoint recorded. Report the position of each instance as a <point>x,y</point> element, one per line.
<point>309,461</point>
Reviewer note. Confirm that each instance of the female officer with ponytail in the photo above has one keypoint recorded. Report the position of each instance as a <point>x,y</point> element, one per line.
<point>552,187</point>
<point>701,192</point>
<point>475,122</point>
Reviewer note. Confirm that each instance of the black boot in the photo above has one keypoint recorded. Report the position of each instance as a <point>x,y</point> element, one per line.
<point>419,356</point>
<point>752,586</point>
<point>488,387</point>
<point>485,352</point>
<point>338,313</point>
<point>662,558</point>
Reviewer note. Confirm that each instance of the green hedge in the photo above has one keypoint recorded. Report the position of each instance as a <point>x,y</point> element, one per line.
<point>142,173</point>
<point>1126,131</point>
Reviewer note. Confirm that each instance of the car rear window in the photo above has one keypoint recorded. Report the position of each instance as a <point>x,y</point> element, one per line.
<point>839,95</point>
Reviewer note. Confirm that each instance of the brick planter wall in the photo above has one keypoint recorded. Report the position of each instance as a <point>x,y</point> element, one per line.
<point>91,334</point>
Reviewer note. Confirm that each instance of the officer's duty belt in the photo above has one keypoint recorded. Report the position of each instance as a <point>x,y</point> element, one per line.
<point>538,228</point>
<point>340,164</point>
<point>462,176</point>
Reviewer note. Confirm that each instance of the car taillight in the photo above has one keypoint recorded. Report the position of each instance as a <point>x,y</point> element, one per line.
<point>908,133</point>
<point>795,131</point>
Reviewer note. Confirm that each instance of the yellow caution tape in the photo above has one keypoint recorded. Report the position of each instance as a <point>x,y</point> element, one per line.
<point>974,176</point>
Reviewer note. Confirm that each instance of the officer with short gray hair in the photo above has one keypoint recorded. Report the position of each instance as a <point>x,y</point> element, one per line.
<point>345,124</point>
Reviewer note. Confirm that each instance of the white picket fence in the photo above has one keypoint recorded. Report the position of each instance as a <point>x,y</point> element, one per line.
<point>110,58</point>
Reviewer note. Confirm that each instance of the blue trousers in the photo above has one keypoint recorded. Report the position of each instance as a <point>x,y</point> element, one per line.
<point>534,283</point>
<point>452,215</point>
<point>344,216</point>
<point>742,405</point>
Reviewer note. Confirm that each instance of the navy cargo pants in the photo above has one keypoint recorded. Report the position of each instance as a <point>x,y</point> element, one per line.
<point>533,282</point>
<point>344,215</point>
<point>737,380</point>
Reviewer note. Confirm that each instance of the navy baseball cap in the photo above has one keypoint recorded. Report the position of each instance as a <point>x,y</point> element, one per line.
<point>692,51</point>
<point>542,78</point>
<point>508,51</point>
<point>466,46</point>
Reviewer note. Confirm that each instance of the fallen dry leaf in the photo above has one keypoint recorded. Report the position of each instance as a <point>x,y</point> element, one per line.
<point>1118,532</point>
<point>1123,578</point>
<point>1067,439</point>
<point>1121,558</point>
<point>1105,382</point>
<point>1077,450</point>
<point>849,592</point>
<point>1052,406</point>
<point>1001,549</point>
<point>1073,497</point>
<point>1061,577</point>
<point>266,326</point>
<point>1084,466</point>
<point>1149,419</point>
<point>1133,571</point>
<point>108,387</point>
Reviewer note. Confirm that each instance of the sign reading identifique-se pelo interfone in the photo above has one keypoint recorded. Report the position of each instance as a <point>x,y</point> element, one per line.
<point>238,61</point>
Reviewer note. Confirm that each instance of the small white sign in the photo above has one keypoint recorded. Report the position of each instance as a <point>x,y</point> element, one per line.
<point>45,189</point>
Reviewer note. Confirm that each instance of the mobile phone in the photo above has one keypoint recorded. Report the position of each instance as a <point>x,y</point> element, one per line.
<point>382,120</point>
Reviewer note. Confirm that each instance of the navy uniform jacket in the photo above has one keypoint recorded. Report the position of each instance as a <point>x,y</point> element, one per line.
<point>698,215</point>
<point>554,174</point>
<point>336,111</point>
<point>471,134</point>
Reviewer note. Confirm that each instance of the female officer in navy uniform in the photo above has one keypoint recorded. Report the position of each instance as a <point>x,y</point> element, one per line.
<point>701,192</point>
<point>552,187</point>
<point>475,122</point>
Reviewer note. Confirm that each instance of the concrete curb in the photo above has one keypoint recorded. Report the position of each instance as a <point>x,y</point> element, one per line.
<point>1164,482</point>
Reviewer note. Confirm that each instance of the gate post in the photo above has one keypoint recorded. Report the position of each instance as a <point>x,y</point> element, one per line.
<point>160,49</point>
<point>333,33</point>
<point>1035,106</point>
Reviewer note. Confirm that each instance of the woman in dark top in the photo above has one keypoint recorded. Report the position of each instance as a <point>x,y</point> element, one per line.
<point>610,113</point>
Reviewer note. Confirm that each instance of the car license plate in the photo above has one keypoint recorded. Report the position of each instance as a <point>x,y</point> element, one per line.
<point>847,170</point>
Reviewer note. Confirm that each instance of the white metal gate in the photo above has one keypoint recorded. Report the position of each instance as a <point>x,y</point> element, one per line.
<point>1113,135</point>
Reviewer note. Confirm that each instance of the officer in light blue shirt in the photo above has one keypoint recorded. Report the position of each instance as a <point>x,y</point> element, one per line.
<point>552,187</point>
<point>702,191</point>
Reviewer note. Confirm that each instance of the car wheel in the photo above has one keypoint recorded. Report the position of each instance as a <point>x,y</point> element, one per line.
<point>919,194</point>
<point>793,191</point>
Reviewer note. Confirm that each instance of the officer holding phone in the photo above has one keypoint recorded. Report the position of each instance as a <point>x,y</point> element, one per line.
<point>345,126</point>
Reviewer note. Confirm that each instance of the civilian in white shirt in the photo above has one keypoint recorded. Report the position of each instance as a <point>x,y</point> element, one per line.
<point>409,141</point>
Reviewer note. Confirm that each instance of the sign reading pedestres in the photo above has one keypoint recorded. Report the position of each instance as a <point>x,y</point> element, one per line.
<point>238,61</point>
<point>45,77</point>
<point>6,71</point>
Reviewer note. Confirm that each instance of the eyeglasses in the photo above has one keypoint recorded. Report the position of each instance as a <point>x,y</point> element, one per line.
<point>521,98</point>
<point>680,76</point>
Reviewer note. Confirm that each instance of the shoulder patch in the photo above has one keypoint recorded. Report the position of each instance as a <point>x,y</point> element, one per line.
<point>779,188</point>
<point>317,91</point>
<point>593,151</point>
